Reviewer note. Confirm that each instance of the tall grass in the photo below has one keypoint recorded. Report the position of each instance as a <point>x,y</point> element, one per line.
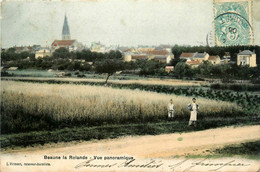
<point>150,81</point>
<point>27,106</point>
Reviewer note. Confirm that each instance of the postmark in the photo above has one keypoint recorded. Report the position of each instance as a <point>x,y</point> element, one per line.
<point>210,37</point>
<point>233,23</point>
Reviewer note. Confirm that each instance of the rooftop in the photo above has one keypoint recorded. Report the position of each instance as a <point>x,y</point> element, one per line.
<point>186,55</point>
<point>160,57</point>
<point>139,56</point>
<point>157,52</point>
<point>63,42</point>
<point>246,52</point>
<point>199,55</point>
<point>213,57</point>
<point>193,62</point>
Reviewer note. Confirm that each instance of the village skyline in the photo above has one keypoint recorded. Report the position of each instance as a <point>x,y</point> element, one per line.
<point>124,23</point>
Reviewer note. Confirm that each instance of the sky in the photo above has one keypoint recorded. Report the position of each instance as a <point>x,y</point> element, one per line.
<point>112,22</point>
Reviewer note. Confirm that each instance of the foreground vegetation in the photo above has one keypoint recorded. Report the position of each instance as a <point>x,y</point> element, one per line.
<point>32,106</point>
<point>248,149</point>
<point>86,133</point>
<point>62,110</point>
<point>248,101</point>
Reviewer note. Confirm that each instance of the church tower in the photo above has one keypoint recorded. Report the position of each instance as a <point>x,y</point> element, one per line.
<point>65,30</point>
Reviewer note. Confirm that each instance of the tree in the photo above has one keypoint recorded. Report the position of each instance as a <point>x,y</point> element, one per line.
<point>182,69</point>
<point>11,50</point>
<point>149,67</point>
<point>114,55</point>
<point>205,68</point>
<point>130,65</point>
<point>177,50</point>
<point>109,66</point>
<point>61,53</point>
<point>86,54</point>
<point>175,61</point>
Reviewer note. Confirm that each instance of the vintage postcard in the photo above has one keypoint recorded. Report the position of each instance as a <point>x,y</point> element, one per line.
<point>130,85</point>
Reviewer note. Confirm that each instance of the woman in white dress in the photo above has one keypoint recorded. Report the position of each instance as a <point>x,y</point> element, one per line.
<point>193,107</point>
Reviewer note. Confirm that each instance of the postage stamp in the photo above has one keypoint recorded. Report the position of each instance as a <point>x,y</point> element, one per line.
<point>233,22</point>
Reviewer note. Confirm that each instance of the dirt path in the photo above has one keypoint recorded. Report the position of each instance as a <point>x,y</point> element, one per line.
<point>162,146</point>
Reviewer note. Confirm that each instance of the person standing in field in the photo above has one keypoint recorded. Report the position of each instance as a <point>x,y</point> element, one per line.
<point>171,108</point>
<point>193,107</point>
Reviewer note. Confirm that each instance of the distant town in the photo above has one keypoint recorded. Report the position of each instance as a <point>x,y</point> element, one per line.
<point>166,57</point>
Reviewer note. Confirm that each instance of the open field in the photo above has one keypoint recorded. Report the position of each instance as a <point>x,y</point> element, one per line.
<point>51,110</point>
<point>97,77</point>
<point>149,81</point>
<point>249,101</point>
<point>95,104</point>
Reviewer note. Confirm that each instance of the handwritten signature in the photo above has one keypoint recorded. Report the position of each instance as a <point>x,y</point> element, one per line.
<point>183,165</point>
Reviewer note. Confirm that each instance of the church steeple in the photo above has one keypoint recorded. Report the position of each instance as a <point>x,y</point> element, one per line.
<point>65,29</point>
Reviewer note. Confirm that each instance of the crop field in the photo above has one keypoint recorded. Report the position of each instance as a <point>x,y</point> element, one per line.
<point>95,104</point>
<point>150,81</point>
<point>41,110</point>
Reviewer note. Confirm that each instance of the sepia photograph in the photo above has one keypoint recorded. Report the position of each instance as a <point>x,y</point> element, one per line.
<point>130,85</point>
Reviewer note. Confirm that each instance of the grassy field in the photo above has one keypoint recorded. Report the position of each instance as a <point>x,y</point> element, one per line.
<point>93,105</point>
<point>141,81</point>
<point>249,101</point>
<point>59,109</point>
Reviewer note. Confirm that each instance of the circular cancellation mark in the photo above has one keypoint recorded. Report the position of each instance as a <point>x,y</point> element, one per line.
<point>230,29</point>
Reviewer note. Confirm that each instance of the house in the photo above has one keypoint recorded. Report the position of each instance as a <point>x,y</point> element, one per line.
<point>159,55</point>
<point>127,56</point>
<point>193,64</point>
<point>145,49</point>
<point>90,63</point>
<point>157,52</point>
<point>194,56</point>
<point>200,57</point>
<point>214,59</point>
<point>163,59</point>
<point>12,68</point>
<point>166,47</point>
<point>20,49</point>
<point>139,57</point>
<point>226,58</point>
<point>246,57</point>
<point>169,69</point>
<point>124,49</point>
<point>226,55</point>
<point>186,56</point>
<point>42,53</point>
<point>79,60</point>
<point>98,47</point>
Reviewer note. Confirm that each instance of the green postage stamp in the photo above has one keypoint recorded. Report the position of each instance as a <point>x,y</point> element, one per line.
<point>233,22</point>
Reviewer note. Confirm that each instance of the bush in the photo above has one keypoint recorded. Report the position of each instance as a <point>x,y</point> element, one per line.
<point>237,87</point>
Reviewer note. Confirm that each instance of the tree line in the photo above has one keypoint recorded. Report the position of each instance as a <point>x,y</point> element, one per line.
<point>113,61</point>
